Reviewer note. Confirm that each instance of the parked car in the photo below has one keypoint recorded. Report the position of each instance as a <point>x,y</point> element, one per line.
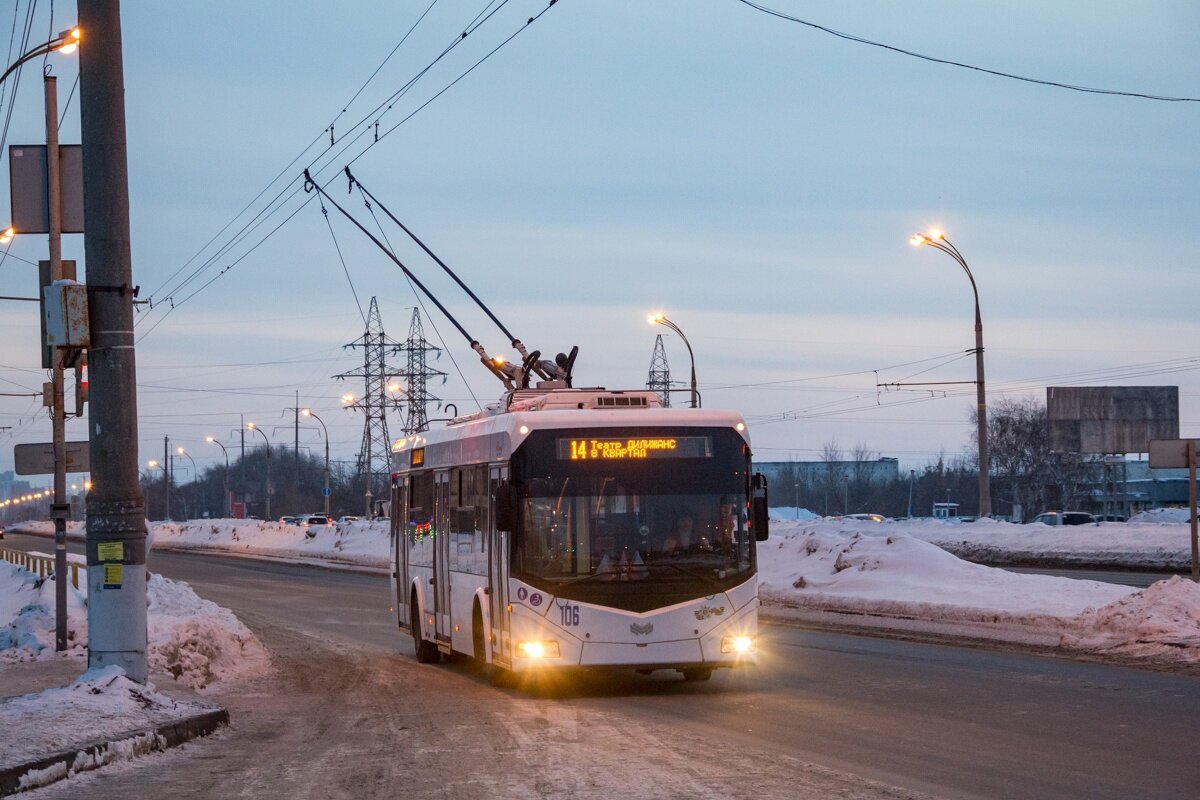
<point>289,520</point>
<point>866,517</point>
<point>1110,518</point>
<point>346,519</point>
<point>1065,518</point>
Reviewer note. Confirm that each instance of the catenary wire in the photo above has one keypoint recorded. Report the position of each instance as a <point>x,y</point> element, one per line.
<point>1056,84</point>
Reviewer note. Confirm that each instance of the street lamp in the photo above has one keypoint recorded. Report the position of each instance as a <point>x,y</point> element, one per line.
<point>195,474</point>
<point>938,241</point>
<point>66,42</point>
<point>309,413</point>
<point>661,319</point>
<point>167,484</point>
<point>211,440</point>
<point>251,426</point>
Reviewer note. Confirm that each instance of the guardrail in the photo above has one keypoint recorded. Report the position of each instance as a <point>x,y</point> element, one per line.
<point>39,565</point>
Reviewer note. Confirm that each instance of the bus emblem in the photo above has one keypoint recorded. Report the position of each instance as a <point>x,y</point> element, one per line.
<point>641,630</point>
<point>704,612</point>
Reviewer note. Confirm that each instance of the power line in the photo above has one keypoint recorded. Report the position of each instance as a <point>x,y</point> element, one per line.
<point>1056,84</point>
<point>271,208</point>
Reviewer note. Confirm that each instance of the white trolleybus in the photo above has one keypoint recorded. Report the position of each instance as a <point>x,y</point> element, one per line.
<point>579,528</point>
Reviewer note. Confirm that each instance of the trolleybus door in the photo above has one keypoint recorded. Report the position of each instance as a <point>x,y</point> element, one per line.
<point>441,556</point>
<point>498,555</point>
<point>400,542</point>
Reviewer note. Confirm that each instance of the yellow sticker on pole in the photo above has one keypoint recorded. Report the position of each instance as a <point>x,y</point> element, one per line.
<point>111,551</point>
<point>113,575</point>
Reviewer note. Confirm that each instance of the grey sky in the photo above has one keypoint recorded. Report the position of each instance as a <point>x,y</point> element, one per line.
<point>755,178</point>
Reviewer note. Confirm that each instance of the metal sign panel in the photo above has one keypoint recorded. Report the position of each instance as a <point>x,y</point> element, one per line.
<point>28,190</point>
<point>38,459</point>
<point>1170,453</point>
<point>1111,419</point>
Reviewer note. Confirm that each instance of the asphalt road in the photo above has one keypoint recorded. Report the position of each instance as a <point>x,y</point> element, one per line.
<point>941,720</point>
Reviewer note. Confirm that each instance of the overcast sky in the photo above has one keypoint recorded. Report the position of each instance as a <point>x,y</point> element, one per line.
<point>755,178</point>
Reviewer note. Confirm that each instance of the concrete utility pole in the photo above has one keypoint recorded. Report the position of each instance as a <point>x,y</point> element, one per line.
<point>116,518</point>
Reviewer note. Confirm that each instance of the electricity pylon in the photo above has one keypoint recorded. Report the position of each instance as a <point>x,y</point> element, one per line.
<point>660,373</point>
<point>374,457</point>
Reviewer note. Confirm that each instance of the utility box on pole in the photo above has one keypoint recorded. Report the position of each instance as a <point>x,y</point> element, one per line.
<point>66,306</point>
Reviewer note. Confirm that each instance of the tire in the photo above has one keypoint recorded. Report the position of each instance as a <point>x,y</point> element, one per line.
<point>697,674</point>
<point>478,640</point>
<point>426,651</point>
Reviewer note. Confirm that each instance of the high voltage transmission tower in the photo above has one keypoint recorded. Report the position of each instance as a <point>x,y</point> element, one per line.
<point>416,377</point>
<point>374,458</point>
<point>660,374</point>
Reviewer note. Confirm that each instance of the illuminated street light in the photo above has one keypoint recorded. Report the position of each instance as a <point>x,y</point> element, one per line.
<point>660,318</point>
<point>309,413</point>
<point>211,440</point>
<point>66,43</point>
<point>937,240</point>
<point>251,426</point>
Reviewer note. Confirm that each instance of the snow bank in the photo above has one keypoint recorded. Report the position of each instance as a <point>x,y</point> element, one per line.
<point>27,614</point>
<point>890,579</point>
<point>196,641</point>
<point>1161,621</point>
<point>1160,515</point>
<point>102,704</point>
<point>1128,545</point>
<point>362,543</point>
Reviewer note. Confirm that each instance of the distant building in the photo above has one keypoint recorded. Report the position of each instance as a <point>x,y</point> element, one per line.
<point>11,487</point>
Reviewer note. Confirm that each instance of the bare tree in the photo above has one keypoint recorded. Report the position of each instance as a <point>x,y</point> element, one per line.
<point>834,477</point>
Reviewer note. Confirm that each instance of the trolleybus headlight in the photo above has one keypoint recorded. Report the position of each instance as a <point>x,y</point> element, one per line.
<point>737,644</point>
<point>538,649</point>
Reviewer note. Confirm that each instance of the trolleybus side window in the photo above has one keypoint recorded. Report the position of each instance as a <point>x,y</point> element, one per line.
<point>468,501</point>
<point>420,520</point>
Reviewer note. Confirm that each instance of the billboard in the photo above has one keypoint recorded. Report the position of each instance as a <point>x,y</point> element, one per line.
<point>1111,419</point>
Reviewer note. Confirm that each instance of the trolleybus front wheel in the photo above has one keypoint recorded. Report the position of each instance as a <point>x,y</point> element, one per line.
<point>695,674</point>
<point>427,652</point>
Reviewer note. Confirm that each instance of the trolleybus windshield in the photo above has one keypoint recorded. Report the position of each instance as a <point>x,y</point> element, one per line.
<point>635,521</point>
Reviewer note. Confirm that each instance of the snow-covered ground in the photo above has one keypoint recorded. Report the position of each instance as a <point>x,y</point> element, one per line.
<point>905,574</point>
<point>101,705</point>
<point>883,577</point>
<point>1160,544</point>
<point>195,640</point>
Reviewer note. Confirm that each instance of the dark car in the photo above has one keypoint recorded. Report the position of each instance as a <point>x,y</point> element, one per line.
<point>1065,518</point>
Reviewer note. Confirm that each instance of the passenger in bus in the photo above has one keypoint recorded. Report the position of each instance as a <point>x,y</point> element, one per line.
<point>683,537</point>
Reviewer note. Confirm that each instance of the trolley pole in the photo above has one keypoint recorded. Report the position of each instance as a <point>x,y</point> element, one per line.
<point>116,519</point>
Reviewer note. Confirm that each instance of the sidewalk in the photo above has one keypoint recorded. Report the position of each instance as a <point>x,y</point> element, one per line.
<point>56,721</point>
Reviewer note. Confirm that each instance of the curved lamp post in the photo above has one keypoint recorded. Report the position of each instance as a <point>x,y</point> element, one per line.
<point>308,412</point>
<point>212,440</point>
<point>66,43</point>
<point>195,474</point>
<point>166,483</point>
<point>251,426</point>
<point>661,319</point>
<point>938,241</point>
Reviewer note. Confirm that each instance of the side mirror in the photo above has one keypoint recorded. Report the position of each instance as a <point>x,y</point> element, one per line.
<point>507,502</point>
<point>759,521</point>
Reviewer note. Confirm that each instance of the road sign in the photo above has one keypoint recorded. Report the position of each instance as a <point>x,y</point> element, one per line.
<point>38,459</point>
<point>29,197</point>
<point>324,491</point>
<point>1170,453</point>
